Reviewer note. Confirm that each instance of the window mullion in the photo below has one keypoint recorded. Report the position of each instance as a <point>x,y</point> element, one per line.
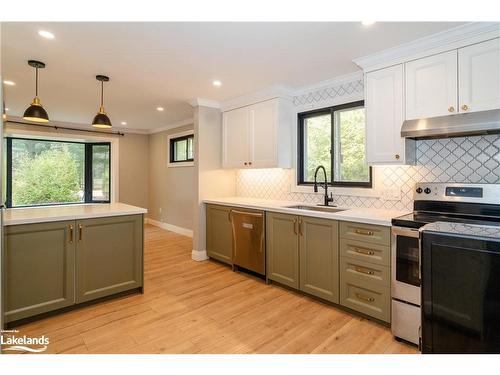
<point>88,173</point>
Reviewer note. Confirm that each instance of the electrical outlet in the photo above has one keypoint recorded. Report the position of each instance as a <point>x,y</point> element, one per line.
<point>393,194</point>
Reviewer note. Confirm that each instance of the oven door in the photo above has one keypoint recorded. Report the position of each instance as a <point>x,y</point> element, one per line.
<point>405,265</point>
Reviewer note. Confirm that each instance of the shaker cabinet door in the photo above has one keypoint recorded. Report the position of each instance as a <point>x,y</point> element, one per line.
<point>219,233</point>
<point>236,138</point>
<point>431,86</point>
<point>109,253</point>
<point>39,268</point>
<point>479,76</point>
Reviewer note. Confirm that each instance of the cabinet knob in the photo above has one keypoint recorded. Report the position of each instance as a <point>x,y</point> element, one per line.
<point>465,107</point>
<point>396,156</point>
<point>249,163</point>
<point>451,109</point>
<point>245,163</point>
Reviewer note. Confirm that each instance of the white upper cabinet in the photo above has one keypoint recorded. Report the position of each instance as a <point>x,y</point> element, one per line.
<point>431,86</point>
<point>479,76</point>
<point>384,117</point>
<point>258,135</point>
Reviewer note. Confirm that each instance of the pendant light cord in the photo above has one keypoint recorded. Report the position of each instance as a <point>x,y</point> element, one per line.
<point>36,82</point>
<point>102,94</point>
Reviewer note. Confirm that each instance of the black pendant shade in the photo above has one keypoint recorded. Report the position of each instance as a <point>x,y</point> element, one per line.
<point>35,112</point>
<point>101,120</point>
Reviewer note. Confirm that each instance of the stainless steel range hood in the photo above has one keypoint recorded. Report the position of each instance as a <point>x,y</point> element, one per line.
<point>475,123</point>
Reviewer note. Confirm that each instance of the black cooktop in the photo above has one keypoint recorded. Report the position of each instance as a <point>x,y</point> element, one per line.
<point>419,219</point>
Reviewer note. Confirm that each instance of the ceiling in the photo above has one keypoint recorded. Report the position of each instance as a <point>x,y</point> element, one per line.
<point>167,64</point>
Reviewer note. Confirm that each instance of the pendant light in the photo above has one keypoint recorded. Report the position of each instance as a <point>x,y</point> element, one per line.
<point>101,120</point>
<point>35,112</point>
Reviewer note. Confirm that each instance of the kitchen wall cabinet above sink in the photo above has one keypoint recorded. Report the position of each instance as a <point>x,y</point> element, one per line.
<point>258,135</point>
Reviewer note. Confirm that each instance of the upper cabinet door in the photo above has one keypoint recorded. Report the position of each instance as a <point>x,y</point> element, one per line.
<point>479,76</point>
<point>235,138</point>
<point>384,116</point>
<point>263,134</point>
<point>431,86</point>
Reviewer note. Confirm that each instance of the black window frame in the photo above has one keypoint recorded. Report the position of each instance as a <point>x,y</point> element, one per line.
<point>301,117</point>
<point>172,142</point>
<point>88,180</point>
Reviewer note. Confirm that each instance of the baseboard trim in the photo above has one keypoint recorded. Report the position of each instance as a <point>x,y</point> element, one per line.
<point>170,227</point>
<point>199,255</point>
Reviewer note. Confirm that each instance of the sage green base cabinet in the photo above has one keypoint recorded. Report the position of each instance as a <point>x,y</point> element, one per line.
<point>219,233</point>
<point>282,249</point>
<point>365,269</point>
<point>319,257</point>
<point>39,268</point>
<point>108,256</point>
<point>45,263</point>
<point>302,252</point>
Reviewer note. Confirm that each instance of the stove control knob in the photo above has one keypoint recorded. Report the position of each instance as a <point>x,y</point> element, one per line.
<point>419,190</point>
<point>427,191</point>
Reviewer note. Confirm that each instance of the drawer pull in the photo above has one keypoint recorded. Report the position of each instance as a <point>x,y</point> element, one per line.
<point>364,232</point>
<point>363,251</point>
<point>295,226</point>
<point>364,298</point>
<point>71,233</point>
<point>363,270</point>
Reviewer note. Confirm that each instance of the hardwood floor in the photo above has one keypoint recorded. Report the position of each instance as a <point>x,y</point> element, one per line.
<point>204,307</point>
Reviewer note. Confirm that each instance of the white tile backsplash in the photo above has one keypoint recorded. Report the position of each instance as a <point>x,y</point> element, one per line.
<point>465,159</point>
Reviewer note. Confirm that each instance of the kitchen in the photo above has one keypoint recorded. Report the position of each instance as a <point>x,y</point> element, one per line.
<point>356,213</point>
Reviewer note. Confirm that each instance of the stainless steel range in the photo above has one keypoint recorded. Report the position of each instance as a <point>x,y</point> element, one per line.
<point>433,202</point>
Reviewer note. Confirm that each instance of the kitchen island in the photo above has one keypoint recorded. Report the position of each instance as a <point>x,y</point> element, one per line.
<point>62,256</point>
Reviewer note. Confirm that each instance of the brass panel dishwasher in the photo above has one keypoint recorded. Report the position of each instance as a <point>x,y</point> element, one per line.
<point>248,240</point>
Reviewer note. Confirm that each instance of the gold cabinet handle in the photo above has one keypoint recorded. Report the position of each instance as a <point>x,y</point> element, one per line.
<point>229,215</point>
<point>300,227</point>
<point>465,107</point>
<point>363,270</point>
<point>71,233</point>
<point>451,109</point>
<point>363,251</point>
<point>364,298</point>
<point>294,226</point>
<point>80,230</point>
<point>396,156</point>
<point>363,232</point>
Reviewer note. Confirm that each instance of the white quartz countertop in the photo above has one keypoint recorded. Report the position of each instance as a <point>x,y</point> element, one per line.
<point>377,216</point>
<point>29,215</point>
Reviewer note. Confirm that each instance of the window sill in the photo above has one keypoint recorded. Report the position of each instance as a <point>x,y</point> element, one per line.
<point>336,190</point>
<point>181,164</point>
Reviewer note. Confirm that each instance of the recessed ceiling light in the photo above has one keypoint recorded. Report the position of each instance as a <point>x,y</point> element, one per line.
<point>367,23</point>
<point>9,83</point>
<point>217,83</point>
<point>160,109</point>
<point>123,123</point>
<point>46,34</point>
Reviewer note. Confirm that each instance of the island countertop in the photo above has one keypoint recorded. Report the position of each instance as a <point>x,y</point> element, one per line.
<point>30,215</point>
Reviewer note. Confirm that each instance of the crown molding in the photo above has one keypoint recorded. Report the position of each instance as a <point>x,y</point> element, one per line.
<point>332,82</point>
<point>202,102</point>
<point>271,92</point>
<point>457,37</point>
<point>189,121</point>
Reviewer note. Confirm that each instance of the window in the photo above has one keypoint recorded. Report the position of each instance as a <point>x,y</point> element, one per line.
<point>51,172</point>
<point>181,148</point>
<point>334,138</point>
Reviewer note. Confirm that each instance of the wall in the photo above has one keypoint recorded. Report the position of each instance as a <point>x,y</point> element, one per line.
<point>211,181</point>
<point>133,160</point>
<point>467,159</point>
<point>172,190</point>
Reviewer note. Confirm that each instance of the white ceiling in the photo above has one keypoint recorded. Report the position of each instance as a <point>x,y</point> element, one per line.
<point>167,64</point>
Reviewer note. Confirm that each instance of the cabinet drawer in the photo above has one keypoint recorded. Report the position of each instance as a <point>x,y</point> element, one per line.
<point>366,232</point>
<point>367,298</point>
<point>364,271</point>
<point>366,252</point>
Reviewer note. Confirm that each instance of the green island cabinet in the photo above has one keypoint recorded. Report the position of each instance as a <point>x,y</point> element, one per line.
<point>302,252</point>
<point>54,265</point>
<point>219,233</point>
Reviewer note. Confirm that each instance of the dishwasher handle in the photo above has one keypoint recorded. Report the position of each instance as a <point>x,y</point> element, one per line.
<point>253,214</point>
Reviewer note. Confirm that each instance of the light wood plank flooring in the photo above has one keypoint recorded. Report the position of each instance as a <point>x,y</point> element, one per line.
<point>204,307</point>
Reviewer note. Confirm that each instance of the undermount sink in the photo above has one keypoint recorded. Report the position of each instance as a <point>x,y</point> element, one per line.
<point>317,208</point>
